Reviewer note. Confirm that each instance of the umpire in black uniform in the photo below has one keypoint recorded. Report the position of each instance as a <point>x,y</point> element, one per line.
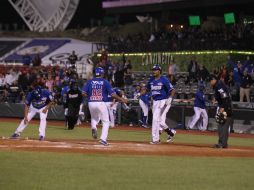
<point>73,101</point>
<point>224,110</point>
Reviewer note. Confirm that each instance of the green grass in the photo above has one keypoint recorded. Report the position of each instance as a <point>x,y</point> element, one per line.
<point>30,170</point>
<point>24,170</point>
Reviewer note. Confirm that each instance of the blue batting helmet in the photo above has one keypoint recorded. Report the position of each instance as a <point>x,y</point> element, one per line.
<point>156,67</point>
<point>37,92</point>
<point>99,71</point>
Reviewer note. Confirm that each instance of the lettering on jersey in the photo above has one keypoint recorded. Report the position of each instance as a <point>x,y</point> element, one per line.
<point>221,91</point>
<point>96,95</point>
<point>73,95</point>
<point>97,83</point>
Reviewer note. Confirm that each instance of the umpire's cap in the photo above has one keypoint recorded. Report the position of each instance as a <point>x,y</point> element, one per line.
<point>99,71</point>
<point>156,67</point>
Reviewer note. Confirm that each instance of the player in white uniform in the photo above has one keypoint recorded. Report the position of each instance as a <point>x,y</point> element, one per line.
<point>97,90</point>
<point>112,107</point>
<point>37,101</point>
<point>200,110</point>
<point>162,93</point>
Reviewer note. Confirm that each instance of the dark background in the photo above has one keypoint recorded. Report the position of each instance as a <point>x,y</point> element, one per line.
<point>178,11</point>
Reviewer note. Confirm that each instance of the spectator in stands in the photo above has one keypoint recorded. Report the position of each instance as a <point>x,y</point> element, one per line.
<point>172,69</point>
<point>14,92</point>
<point>192,69</point>
<point>23,81</point>
<point>246,82</point>
<point>49,83</point>
<point>128,80</point>
<point>10,77</point>
<point>237,78</point>
<point>3,91</point>
<point>73,58</point>
<point>2,80</point>
<point>202,73</point>
<point>119,76</point>
<point>37,60</point>
<point>230,64</point>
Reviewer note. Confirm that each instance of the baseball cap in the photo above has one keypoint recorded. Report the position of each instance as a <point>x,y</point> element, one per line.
<point>99,71</point>
<point>156,67</point>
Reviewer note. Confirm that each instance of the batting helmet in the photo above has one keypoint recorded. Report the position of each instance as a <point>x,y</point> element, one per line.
<point>221,117</point>
<point>37,92</point>
<point>99,71</point>
<point>156,67</point>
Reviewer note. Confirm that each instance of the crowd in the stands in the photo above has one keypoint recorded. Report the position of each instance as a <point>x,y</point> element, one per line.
<point>233,37</point>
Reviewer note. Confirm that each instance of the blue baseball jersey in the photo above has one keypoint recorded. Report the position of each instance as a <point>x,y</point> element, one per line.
<point>98,89</point>
<point>160,89</point>
<point>109,97</point>
<point>45,98</point>
<point>200,100</point>
<point>145,98</point>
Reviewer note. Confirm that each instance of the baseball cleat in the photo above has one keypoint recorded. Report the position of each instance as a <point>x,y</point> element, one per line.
<point>103,142</point>
<point>15,136</point>
<point>155,142</point>
<point>94,133</point>
<point>220,146</point>
<point>170,139</point>
<point>41,138</point>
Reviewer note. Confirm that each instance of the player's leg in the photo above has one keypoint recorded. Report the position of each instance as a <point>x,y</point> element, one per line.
<point>95,118</point>
<point>195,118</point>
<point>204,118</point>
<point>105,121</point>
<point>93,108</point>
<point>156,121</point>
<point>111,114</point>
<point>144,108</point>
<point>164,108</point>
<point>43,124</point>
<point>22,125</point>
<point>163,115</point>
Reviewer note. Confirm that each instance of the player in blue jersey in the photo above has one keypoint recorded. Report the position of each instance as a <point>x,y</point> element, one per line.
<point>144,104</point>
<point>97,91</point>
<point>37,101</point>
<point>162,93</point>
<point>200,110</point>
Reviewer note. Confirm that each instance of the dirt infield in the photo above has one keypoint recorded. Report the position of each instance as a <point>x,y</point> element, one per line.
<point>120,147</point>
<point>125,147</point>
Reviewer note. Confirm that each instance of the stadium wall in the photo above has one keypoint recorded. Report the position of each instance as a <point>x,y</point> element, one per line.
<point>177,116</point>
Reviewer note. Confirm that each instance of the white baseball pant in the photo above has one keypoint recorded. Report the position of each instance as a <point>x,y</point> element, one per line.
<point>144,107</point>
<point>99,111</point>
<point>199,112</point>
<point>160,110</point>
<point>31,113</point>
<point>112,107</point>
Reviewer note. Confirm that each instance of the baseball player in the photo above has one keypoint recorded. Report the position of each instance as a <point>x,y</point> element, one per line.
<point>224,110</point>
<point>144,104</point>
<point>112,106</point>
<point>73,102</point>
<point>162,93</point>
<point>37,101</point>
<point>199,109</point>
<point>97,90</point>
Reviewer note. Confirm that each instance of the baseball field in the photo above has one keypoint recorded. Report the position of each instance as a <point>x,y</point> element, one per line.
<point>73,160</point>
